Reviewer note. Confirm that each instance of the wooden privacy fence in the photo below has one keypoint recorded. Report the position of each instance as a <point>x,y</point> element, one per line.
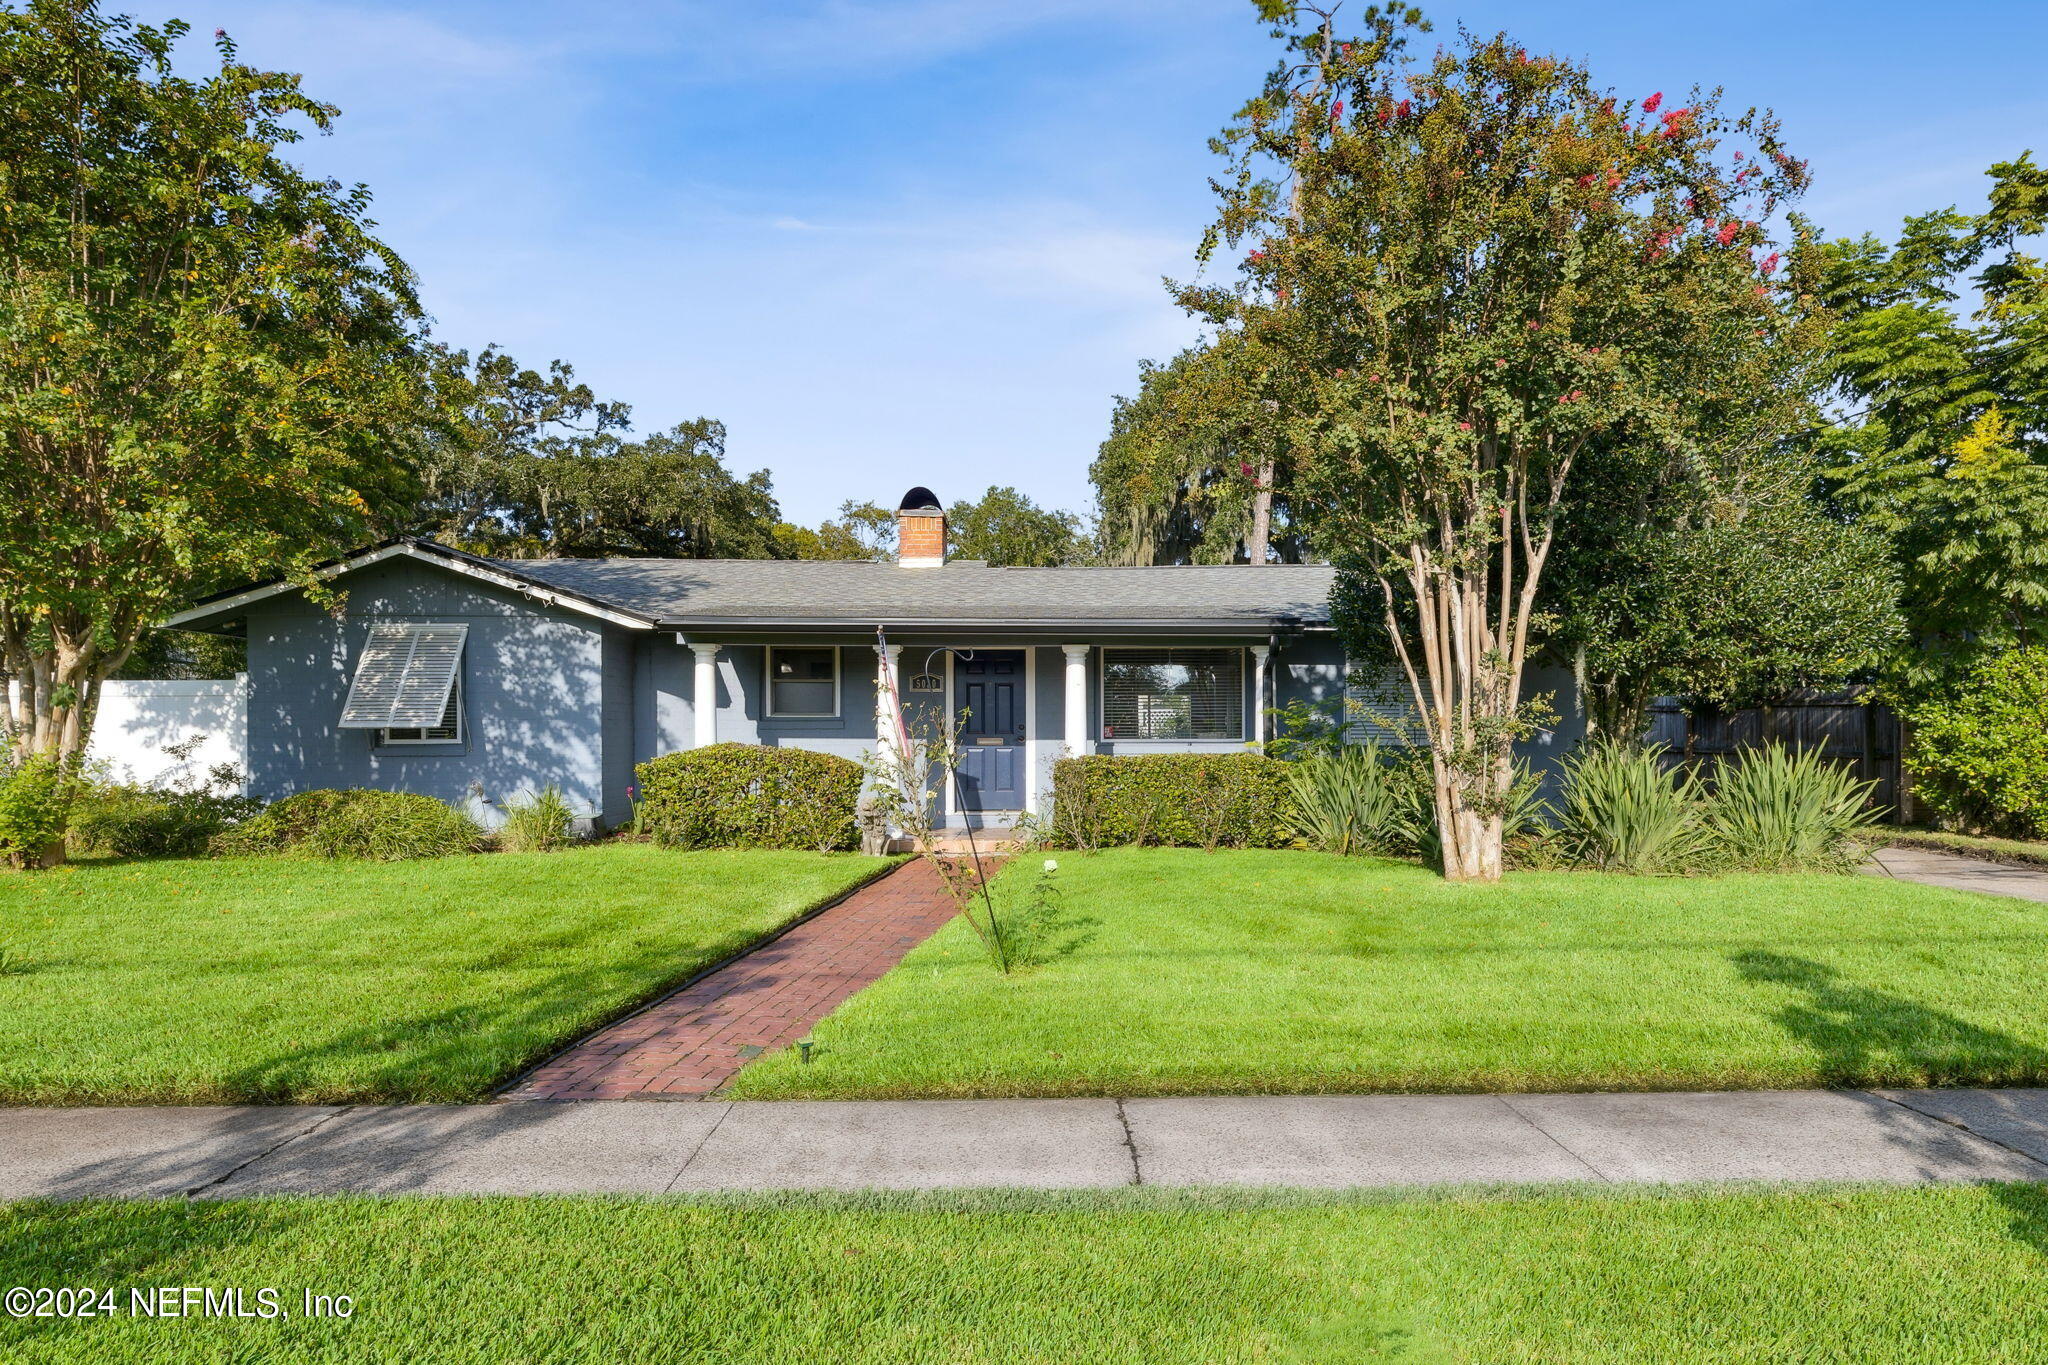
<point>1844,726</point>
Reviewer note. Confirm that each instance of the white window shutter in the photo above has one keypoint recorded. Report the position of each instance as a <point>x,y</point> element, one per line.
<point>405,676</point>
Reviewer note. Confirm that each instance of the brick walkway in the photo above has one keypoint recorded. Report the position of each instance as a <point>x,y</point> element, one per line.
<point>687,1045</point>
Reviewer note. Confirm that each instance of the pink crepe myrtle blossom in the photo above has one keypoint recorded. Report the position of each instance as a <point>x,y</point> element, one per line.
<point>1337,110</point>
<point>1727,232</point>
<point>1650,104</point>
<point>1769,264</point>
<point>1464,426</point>
<point>1401,109</point>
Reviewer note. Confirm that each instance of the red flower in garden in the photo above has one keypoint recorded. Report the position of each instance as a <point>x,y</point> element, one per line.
<point>1337,110</point>
<point>1650,104</point>
<point>1727,232</point>
<point>1770,263</point>
<point>1587,180</point>
<point>1464,426</point>
<point>1401,109</point>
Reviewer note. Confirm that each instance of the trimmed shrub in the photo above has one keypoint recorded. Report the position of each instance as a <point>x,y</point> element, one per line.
<point>35,801</point>
<point>147,822</point>
<point>1624,812</point>
<point>1980,747</point>
<point>1780,810</point>
<point>750,796</point>
<point>379,826</point>
<point>1180,800</point>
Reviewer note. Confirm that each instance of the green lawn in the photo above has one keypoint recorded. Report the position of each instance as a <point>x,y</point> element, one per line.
<point>1947,1276</point>
<point>1298,972</point>
<point>201,981</point>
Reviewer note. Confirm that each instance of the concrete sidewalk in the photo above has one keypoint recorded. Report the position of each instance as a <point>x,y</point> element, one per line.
<point>1309,1141</point>
<point>1959,873</point>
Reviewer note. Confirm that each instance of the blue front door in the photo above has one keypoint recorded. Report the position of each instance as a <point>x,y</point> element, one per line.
<point>988,705</point>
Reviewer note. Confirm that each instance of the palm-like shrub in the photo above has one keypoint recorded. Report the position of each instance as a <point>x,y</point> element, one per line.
<point>539,824</point>
<point>1346,800</point>
<point>1625,812</point>
<point>1782,810</point>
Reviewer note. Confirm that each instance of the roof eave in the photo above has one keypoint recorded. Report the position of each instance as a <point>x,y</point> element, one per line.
<point>224,606</point>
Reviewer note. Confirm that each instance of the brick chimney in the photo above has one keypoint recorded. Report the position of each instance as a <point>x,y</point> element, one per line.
<point>920,530</point>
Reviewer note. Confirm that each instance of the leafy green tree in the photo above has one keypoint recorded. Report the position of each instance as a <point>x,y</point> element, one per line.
<point>1942,441</point>
<point>1475,266</point>
<point>1721,593</point>
<point>185,654</point>
<point>827,540</point>
<point>491,415</point>
<point>208,356</point>
<point>1006,528</point>
<point>1980,749</point>
<point>1193,471</point>
<point>667,496</point>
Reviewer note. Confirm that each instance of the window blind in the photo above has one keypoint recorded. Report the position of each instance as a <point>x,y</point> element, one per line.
<point>405,677</point>
<point>1378,706</point>
<point>1173,694</point>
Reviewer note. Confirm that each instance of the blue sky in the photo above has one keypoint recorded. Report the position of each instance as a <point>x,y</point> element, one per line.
<point>895,242</point>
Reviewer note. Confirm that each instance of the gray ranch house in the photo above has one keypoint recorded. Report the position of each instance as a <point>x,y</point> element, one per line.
<point>481,681</point>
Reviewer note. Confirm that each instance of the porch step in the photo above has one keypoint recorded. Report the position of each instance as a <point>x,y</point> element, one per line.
<point>989,842</point>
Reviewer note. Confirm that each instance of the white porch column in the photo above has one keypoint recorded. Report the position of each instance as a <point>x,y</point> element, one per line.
<point>704,696</point>
<point>1260,653</point>
<point>1077,699</point>
<point>888,679</point>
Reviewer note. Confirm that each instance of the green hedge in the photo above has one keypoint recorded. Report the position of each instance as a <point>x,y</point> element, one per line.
<point>354,823</point>
<point>751,796</point>
<point>1180,800</point>
<point>1980,747</point>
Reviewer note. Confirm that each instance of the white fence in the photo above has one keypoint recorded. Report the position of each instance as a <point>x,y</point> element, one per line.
<point>140,720</point>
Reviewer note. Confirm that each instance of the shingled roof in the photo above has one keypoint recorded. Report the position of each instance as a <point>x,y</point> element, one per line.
<point>685,592</point>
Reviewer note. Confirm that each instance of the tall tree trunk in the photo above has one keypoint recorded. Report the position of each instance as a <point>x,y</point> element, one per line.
<point>1257,544</point>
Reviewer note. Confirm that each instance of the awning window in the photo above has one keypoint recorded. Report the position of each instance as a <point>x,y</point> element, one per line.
<point>405,677</point>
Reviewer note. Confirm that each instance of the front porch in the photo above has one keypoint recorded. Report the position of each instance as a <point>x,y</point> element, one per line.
<point>1011,705</point>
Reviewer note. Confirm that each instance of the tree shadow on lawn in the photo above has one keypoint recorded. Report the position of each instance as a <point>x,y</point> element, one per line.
<point>1868,1037</point>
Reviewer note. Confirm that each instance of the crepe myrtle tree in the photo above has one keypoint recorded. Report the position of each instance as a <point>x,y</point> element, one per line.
<point>207,354</point>
<point>1477,264</point>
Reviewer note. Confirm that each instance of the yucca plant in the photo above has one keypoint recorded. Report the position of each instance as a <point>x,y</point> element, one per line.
<point>1345,800</point>
<point>539,824</point>
<point>1525,819</point>
<point>1624,812</point>
<point>1780,809</point>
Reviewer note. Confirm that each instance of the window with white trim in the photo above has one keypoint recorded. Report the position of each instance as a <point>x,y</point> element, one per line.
<point>1173,694</point>
<point>449,731</point>
<point>407,683</point>
<point>803,680</point>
